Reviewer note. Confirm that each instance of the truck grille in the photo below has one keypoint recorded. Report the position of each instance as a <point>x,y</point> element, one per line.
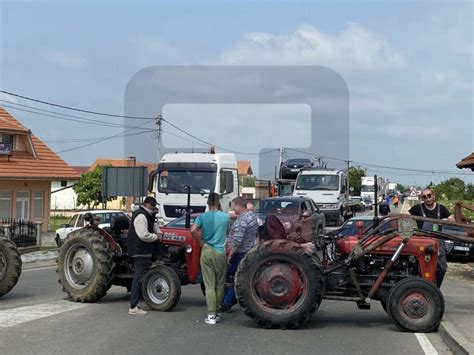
<point>177,210</point>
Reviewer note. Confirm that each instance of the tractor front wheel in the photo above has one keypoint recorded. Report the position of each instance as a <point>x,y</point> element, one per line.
<point>415,305</point>
<point>279,285</point>
<point>161,288</point>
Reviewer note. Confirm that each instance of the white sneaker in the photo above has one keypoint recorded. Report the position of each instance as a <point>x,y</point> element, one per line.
<point>137,311</point>
<point>211,319</point>
<point>218,318</point>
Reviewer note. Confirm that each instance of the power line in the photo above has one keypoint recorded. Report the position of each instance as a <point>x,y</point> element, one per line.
<point>74,108</point>
<point>210,144</point>
<point>102,140</point>
<point>441,172</point>
<point>66,117</point>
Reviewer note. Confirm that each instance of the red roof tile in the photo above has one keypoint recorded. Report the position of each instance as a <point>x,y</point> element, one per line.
<point>467,162</point>
<point>244,167</point>
<point>47,165</point>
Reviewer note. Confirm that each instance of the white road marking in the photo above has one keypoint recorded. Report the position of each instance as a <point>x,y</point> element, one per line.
<point>425,344</point>
<point>40,268</point>
<point>15,316</point>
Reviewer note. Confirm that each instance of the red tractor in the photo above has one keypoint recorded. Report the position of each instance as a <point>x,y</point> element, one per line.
<point>92,259</point>
<point>280,285</point>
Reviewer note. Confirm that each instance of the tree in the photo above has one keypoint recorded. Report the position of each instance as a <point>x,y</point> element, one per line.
<point>248,181</point>
<point>355,179</point>
<point>401,188</point>
<point>451,189</point>
<point>88,189</point>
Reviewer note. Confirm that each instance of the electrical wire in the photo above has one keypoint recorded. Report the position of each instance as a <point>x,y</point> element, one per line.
<point>75,108</point>
<point>121,134</point>
<point>66,117</point>
<point>441,172</point>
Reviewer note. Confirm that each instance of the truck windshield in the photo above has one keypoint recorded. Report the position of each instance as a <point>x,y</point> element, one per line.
<point>176,181</point>
<point>318,182</point>
<point>367,188</point>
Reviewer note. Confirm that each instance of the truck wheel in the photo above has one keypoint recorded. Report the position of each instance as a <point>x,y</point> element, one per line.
<point>85,266</point>
<point>161,288</point>
<point>10,265</point>
<point>279,285</point>
<point>415,305</point>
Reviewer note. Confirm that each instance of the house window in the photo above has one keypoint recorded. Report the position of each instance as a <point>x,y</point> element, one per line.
<point>38,213</point>
<point>63,183</point>
<point>6,138</point>
<point>23,204</point>
<point>5,204</point>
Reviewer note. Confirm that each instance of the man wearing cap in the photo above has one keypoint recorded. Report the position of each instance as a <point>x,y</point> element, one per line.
<point>141,238</point>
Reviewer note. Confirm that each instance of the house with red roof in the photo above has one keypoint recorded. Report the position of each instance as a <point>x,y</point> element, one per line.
<point>27,168</point>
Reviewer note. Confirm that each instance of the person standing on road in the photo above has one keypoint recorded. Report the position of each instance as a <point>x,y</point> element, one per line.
<point>395,201</point>
<point>214,225</point>
<point>384,208</point>
<point>429,208</point>
<point>141,242</point>
<point>241,239</point>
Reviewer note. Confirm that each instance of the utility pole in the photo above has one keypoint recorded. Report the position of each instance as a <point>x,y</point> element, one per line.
<point>280,159</point>
<point>347,191</point>
<point>159,120</point>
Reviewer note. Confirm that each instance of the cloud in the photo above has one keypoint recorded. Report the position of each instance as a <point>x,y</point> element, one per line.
<point>354,48</point>
<point>65,60</point>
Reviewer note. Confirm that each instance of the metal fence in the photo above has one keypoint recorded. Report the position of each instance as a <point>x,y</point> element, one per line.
<point>22,232</point>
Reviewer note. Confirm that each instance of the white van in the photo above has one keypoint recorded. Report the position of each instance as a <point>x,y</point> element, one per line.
<point>203,173</point>
<point>328,190</point>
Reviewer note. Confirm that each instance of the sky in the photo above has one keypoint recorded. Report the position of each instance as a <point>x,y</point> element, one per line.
<point>404,71</point>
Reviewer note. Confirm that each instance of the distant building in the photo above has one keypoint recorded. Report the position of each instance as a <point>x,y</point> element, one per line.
<point>27,169</point>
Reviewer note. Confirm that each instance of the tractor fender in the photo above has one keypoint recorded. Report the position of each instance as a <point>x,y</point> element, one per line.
<point>112,244</point>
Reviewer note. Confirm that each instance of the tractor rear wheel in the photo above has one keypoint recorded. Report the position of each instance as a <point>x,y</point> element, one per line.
<point>85,266</point>
<point>161,288</point>
<point>415,305</point>
<point>10,265</point>
<point>279,285</point>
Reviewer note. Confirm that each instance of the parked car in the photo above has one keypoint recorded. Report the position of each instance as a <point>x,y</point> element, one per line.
<point>298,215</point>
<point>369,204</point>
<point>290,168</point>
<point>361,204</point>
<point>457,249</point>
<point>77,221</point>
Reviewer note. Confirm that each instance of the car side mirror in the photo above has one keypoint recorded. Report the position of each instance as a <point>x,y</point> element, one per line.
<point>306,214</point>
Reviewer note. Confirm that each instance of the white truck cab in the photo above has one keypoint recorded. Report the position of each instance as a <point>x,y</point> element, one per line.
<point>328,190</point>
<point>202,173</point>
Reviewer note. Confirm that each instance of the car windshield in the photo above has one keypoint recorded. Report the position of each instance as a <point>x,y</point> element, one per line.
<point>367,188</point>
<point>277,206</point>
<point>317,182</point>
<point>175,181</point>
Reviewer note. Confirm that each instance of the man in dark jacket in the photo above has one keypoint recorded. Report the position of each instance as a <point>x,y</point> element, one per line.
<point>141,242</point>
<point>429,208</point>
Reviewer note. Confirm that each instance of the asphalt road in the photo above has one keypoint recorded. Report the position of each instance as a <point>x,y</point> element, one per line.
<point>36,318</point>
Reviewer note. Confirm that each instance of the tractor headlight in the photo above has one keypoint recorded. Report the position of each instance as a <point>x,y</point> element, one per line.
<point>189,249</point>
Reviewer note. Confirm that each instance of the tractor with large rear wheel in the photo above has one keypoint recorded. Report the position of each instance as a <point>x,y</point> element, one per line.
<point>279,284</point>
<point>91,260</point>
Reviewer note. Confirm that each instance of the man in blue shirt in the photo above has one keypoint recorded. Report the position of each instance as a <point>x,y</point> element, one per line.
<point>214,225</point>
<point>241,239</point>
